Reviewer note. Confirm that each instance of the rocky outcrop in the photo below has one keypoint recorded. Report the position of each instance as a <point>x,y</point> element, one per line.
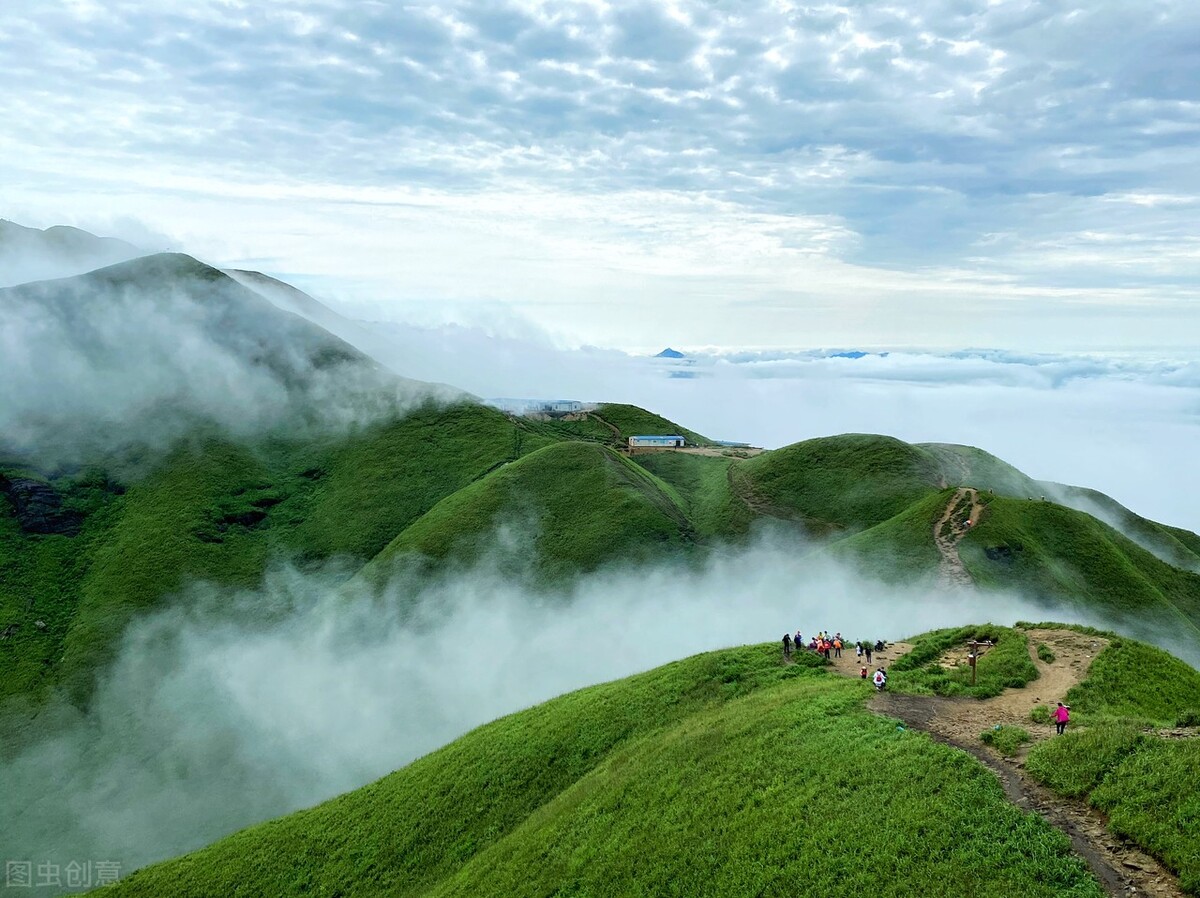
<point>38,507</point>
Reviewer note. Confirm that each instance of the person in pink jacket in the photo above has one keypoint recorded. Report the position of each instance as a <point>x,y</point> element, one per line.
<point>1061,715</point>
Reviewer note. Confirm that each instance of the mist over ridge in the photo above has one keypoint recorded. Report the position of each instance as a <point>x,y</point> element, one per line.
<point>231,706</point>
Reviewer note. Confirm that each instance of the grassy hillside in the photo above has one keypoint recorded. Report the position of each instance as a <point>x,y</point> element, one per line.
<point>703,484</point>
<point>1177,547</point>
<point>969,466</point>
<point>1042,549</point>
<point>218,510</point>
<point>725,774</point>
<point>630,421</point>
<point>901,549</point>
<point>1149,786</point>
<point>844,483</point>
<point>573,506</point>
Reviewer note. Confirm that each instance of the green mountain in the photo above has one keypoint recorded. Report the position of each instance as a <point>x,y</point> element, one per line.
<point>203,432</point>
<point>416,473</point>
<point>727,773</point>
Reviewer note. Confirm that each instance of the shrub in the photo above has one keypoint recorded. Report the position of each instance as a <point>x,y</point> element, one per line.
<point>1044,653</point>
<point>1188,718</point>
<point>1005,739</point>
<point>1040,714</point>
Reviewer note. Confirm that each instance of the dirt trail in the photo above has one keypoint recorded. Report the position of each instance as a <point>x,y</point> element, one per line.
<point>1120,866</point>
<point>961,514</point>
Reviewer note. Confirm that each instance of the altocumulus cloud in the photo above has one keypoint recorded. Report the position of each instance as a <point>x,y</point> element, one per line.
<point>1034,153</point>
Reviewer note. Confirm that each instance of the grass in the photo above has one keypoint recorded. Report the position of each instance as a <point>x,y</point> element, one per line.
<point>1132,681</point>
<point>702,482</point>
<point>630,420</point>
<point>901,549</point>
<point>1078,761</point>
<point>372,486</point>
<point>220,511</point>
<point>1005,739</point>
<point>579,504</point>
<point>724,774</point>
<point>1045,653</point>
<point>1045,550</point>
<point>1148,786</point>
<point>1006,665</point>
<point>848,482</point>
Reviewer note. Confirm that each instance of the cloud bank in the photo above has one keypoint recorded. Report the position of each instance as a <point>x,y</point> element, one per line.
<point>231,707</point>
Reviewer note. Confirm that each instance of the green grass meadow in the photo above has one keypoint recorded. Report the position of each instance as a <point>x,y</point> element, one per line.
<point>724,774</point>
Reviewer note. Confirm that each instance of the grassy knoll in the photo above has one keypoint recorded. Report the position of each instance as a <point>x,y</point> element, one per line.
<point>724,774</point>
<point>573,506</point>
<point>1132,681</point>
<point>1005,739</point>
<point>1048,550</point>
<point>968,466</point>
<point>848,482</point>
<point>372,486</point>
<point>633,421</point>
<point>901,549</point>
<point>1005,665</point>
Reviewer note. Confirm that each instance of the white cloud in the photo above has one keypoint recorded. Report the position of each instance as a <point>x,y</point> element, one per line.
<point>525,152</point>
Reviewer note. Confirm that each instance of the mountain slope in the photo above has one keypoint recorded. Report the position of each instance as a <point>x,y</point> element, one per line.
<point>571,505</point>
<point>29,254</point>
<point>670,780</point>
<point>841,484</point>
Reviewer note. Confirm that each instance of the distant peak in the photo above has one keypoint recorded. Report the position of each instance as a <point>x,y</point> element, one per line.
<point>670,353</point>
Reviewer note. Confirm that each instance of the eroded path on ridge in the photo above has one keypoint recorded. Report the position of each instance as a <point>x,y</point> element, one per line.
<point>961,514</point>
<point>1120,866</point>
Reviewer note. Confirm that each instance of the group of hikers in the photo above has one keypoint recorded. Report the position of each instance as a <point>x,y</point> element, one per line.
<point>830,645</point>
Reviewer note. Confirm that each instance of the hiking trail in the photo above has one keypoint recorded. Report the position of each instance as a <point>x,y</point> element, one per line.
<point>961,514</point>
<point>1120,866</point>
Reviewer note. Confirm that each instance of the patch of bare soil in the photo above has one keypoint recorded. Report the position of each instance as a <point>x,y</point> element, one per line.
<point>1120,866</point>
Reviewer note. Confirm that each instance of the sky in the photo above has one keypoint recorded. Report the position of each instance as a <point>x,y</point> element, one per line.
<point>771,175</point>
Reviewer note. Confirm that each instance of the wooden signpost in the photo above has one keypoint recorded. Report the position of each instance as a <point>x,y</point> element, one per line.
<point>973,655</point>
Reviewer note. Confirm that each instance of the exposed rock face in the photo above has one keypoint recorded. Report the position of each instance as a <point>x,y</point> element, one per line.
<point>39,507</point>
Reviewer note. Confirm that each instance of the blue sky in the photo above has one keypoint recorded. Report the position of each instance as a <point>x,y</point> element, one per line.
<point>950,173</point>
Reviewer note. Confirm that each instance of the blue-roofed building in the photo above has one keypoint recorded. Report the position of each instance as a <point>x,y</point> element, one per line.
<point>672,441</point>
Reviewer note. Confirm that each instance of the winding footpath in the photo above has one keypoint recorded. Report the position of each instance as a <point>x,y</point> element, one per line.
<point>961,514</point>
<point>1121,868</point>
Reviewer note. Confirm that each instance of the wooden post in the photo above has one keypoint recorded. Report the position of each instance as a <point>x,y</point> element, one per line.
<point>973,657</point>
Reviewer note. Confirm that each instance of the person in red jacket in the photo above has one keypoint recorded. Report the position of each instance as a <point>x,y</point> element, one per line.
<point>1061,715</point>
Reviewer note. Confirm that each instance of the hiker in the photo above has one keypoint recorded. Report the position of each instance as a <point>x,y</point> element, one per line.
<point>787,646</point>
<point>858,651</point>
<point>827,646</point>
<point>812,644</point>
<point>879,645</point>
<point>798,641</point>
<point>862,673</point>
<point>868,650</point>
<point>1061,715</point>
<point>880,679</point>
<point>837,647</point>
